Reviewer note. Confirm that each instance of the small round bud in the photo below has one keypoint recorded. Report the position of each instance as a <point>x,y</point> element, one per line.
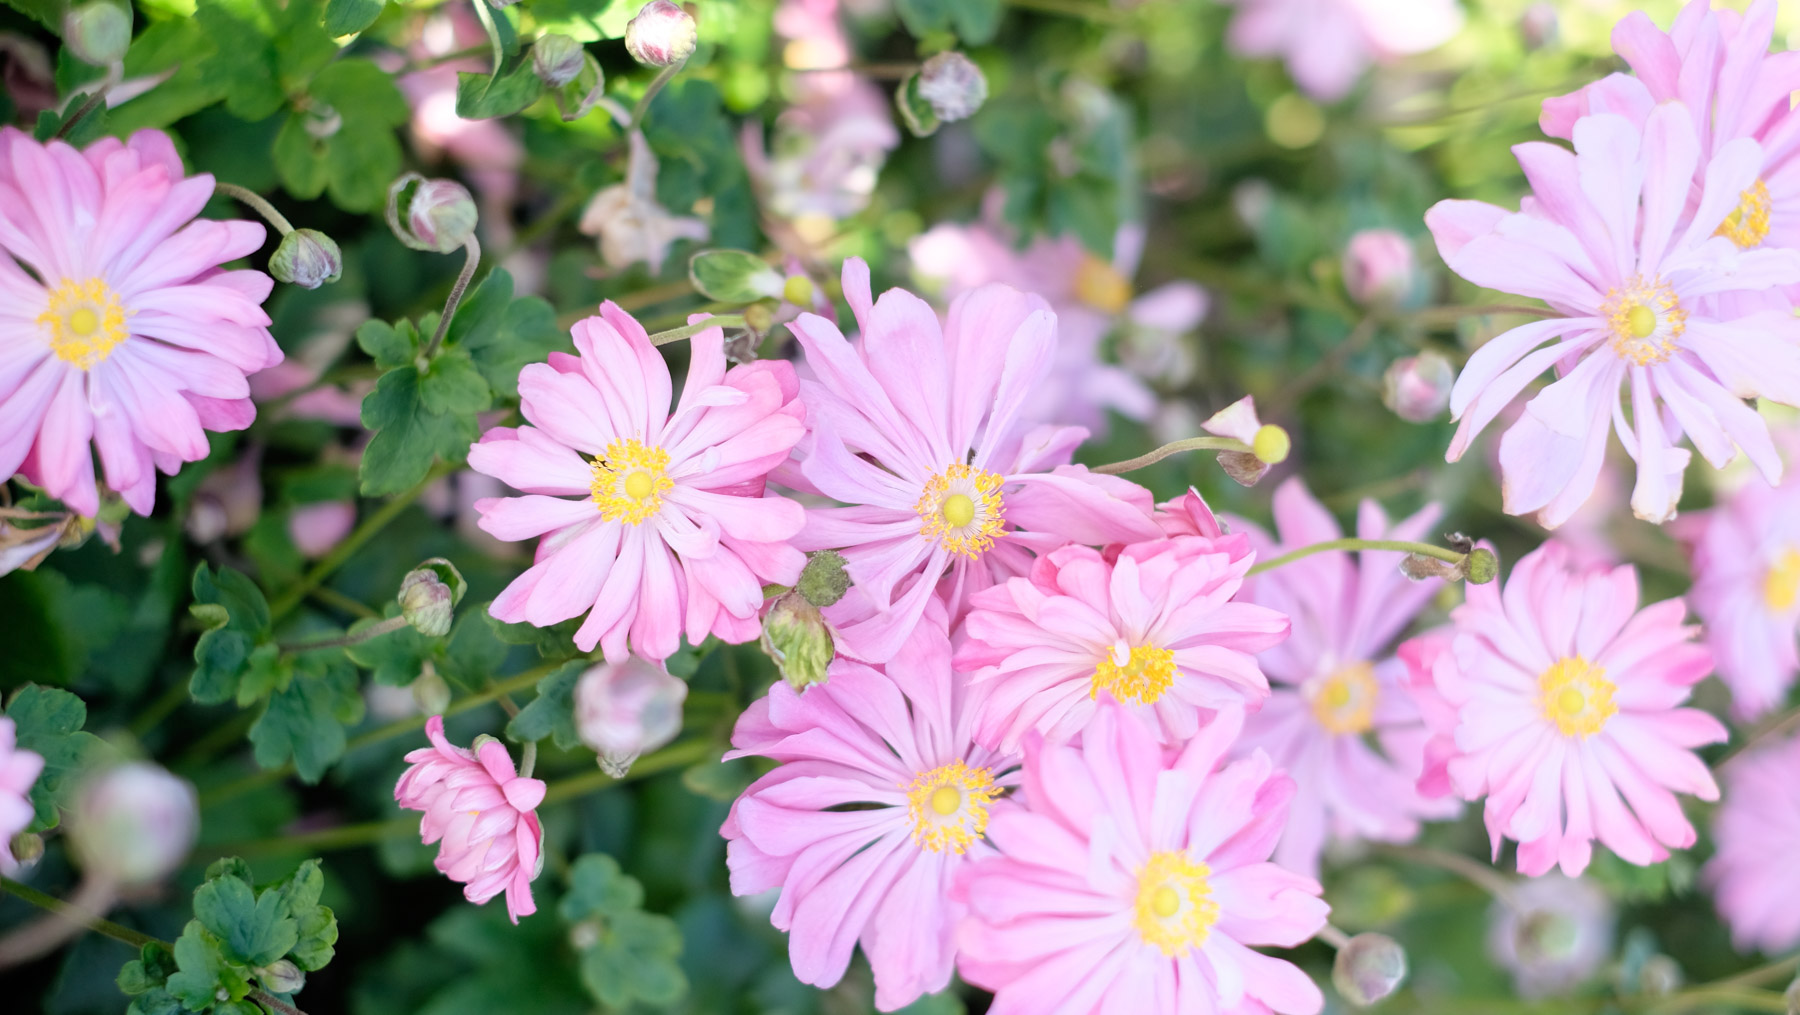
<point>1272,444</point>
<point>98,33</point>
<point>321,121</point>
<point>27,849</point>
<point>281,977</point>
<point>1660,976</point>
<point>1539,25</point>
<point>1369,967</point>
<point>430,691</point>
<point>584,935</point>
<point>1378,267</point>
<point>1418,387</point>
<point>823,581</point>
<point>307,258</point>
<point>556,58</point>
<point>134,823</point>
<point>952,85</point>
<point>430,214</point>
<point>798,290</point>
<point>623,710</point>
<point>759,317</point>
<point>1481,566</point>
<point>797,638</point>
<point>429,594</point>
<point>661,34</point>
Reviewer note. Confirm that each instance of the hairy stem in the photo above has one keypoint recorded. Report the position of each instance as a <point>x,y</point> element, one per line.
<point>690,330</point>
<point>470,262</point>
<point>656,85</point>
<point>250,197</point>
<point>387,626</point>
<point>1400,546</point>
<point>1174,448</point>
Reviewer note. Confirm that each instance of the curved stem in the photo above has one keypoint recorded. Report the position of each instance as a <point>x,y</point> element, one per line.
<point>256,202</point>
<point>1736,998</point>
<point>1400,546</point>
<point>64,921</point>
<point>528,759</point>
<point>473,258</point>
<point>690,330</point>
<point>273,1003</point>
<point>1174,448</point>
<point>387,626</point>
<point>656,85</point>
<point>1769,729</point>
<point>677,755</point>
<point>1333,936</point>
<point>1479,874</point>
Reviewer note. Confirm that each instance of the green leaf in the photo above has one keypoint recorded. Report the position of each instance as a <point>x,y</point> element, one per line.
<point>922,17</point>
<point>157,1001</point>
<point>47,12</point>
<point>598,887</point>
<point>483,97</point>
<point>357,162</point>
<point>305,721</point>
<point>502,334</point>
<point>90,127</point>
<point>473,653</point>
<point>552,712</point>
<point>976,21</point>
<point>48,721</point>
<point>733,276</point>
<point>237,620</point>
<point>636,959</point>
<point>318,931</point>
<point>390,345</point>
<point>409,437</point>
<point>394,659</point>
<point>347,17</point>
<point>204,969</point>
<point>255,930</point>
<point>149,971</point>
<point>452,385</point>
<point>241,66</point>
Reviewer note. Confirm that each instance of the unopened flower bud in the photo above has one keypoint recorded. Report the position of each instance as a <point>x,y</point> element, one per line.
<point>623,710</point>
<point>556,58</point>
<point>797,638</point>
<point>281,977</point>
<point>430,691</point>
<point>1660,976</point>
<point>134,823</point>
<point>27,849</point>
<point>1368,968</point>
<point>952,85</point>
<point>1481,566</point>
<point>1538,25</point>
<point>307,258</point>
<point>1378,266</point>
<point>98,33</point>
<point>1418,387</point>
<point>321,121</point>
<point>661,34</point>
<point>823,581</point>
<point>429,594</point>
<point>430,214</point>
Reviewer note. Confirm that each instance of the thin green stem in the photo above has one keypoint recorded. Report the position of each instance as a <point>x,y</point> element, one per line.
<point>1333,936</point>
<point>388,626</point>
<point>1740,999</point>
<point>1328,365</point>
<point>527,758</point>
<point>337,600</point>
<point>52,904</point>
<point>656,85</point>
<point>473,258</point>
<point>1397,545</point>
<point>1767,730</point>
<point>1767,972</point>
<point>1479,874</point>
<point>1174,448</point>
<point>273,1003</point>
<point>677,755</point>
<point>690,330</point>
<point>165,703</point>
<point>255,201</point>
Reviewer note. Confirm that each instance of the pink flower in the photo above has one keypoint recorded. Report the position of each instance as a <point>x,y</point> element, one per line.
<point>1328,43</point>
<point>1747,591</point>
<point>1379,266</point>
<point>1337,695</point>
<point>1634,279</point>
<point>18,770</point>
<point>828,148</point>
<point>880,800</point>
<point>316,528</point>
<point>1566,714</point>
<point>917,428</point>
<point>125,334</point>
<point>668,529</point>
<point>485,813</point>
<point>1553,933</point>
<point>1133,879</point>
<point>1156,628</point>
<point>623,710</point>
<point>1757,832</point>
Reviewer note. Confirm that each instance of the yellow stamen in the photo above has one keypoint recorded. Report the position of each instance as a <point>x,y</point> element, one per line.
<point>1101,286</point>
<point>1781,584</point>
<point>948,806</point>
<point>628,481</point>
<point>1576,696</point>
<point>1646,318</point>
<point>1748,223</point>
<point>85,321</point>
<point>1175,909</point>
<point>1143,678</point>
<point>1344,702</point>
<point>963,510</point>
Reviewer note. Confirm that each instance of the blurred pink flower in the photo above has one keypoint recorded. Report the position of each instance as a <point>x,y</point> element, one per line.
<point>1566,696</point>
<point>1337,694</point>
<point>1156,628</point>
<point>19,768</point>
<point>316,528</point>
<point>917,427</point>
<point>668,529</point>
<point>1379,266</point>
<point>125,334</point>
<point>628,220</point>
<point>485,149</point>
<point>1756,833</point>
<point>880,800</point>
<point>1634,282</point>
<point>1552,934</point>
<point>625,709</point>
<point>1328,43</point>
<point>1135,879</point>
<point>827,151</point>
<point>484,812</point>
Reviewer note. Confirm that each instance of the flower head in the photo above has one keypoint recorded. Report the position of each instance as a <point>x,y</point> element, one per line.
<point>1132,878</point>
<point>1328,43</point>
<point>19,768</point>
<point>1756,831</point>
<point>118,328</point>
<point>1552,934</point>
<point>630,223</point>
<point>483,811</point>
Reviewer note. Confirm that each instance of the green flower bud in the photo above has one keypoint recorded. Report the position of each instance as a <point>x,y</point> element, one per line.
<point>557,59</point>
<point>1481,566</point>
<point>824,580</point>
<point>795,635</point>
<point>281,977</point>
<point>98,33</point>
<point>430,214</point>
<point>307,258</point>
<point>27,849</point>
<point>1369,967</point>
<point>952,85</point>
<point>429,691</point>
<point>429,594</point>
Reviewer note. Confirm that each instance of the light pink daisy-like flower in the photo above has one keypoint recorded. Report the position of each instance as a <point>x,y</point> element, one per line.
<point>1328,43</point>
<point>881,798</point>
<point>669,529</point>
<point>484,812</point>
<point>1747,591</point>
<point>1635,280</point>
<point>19,768</point>
<point>1757,833</point>
<point>1156,628</point>
<point>1567,711</point>
<point>917,428</point>
<point>1337,695</point>
<point>1134,879</point>
<point>117,327</point>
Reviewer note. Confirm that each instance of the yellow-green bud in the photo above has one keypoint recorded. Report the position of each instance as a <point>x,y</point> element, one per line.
<point>798,290</point>
<point>1481,566</point>
<point>1271,444</point>
<point>1369,967</point>
<point>307,258</point>
<point>98,33</point>
<point>429,594</point>
<point>796,637</point>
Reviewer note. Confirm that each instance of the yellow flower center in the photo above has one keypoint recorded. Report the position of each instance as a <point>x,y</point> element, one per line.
<point>1781,584</point>
<point>1101,286</point>
<point>1576,696</point>
<point>1344,701</point>
<point>962,509</point>
<point>1139,677</point>
<point>85,322</point>
<point>948,806</point>
<point>628,481</point>
<point>1175,909</point>
<point>1748,223</point>
<point>1646,318</point>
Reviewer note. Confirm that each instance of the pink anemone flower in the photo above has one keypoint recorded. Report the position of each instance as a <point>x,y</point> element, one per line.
<point>1757,833</point>
<point>1329,43</point>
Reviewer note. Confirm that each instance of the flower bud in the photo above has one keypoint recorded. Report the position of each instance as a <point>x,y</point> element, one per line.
<point>1378,267</point>
<point>1481,566</point>
<point>429,594</point>
<point>1660,976</point>
<point>1369,967</point>
<point>98,33</point>
<point>952,85</point>
<point>307,258</point>
<point>796,637</point>
<point>281,977</point>
<point>556,58</point>
<point>438,215</point>
<point>134,823</point>
<point>430,692</point>
<point>1539,25</point>
<point>623,710</point>
<point>27,849</point>
<point>1418,387</point>
<point>823,581</point>
<point>661,34</point>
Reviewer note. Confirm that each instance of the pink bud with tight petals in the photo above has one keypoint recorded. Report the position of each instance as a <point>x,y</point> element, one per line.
<point>134,824</point>
<point>1378,266</point>
<point>1418,387</point>
<point>661,35</point>
<point>623,710</point>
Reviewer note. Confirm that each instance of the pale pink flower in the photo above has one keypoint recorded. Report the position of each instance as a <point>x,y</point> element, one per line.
<point>880,800</point>
<point>19,768</point>
<point>1635,281</point>
<point>1552,933</point>
<point>316,528</point>
<point>117,326</point>
<point>827,150</point>
<point>1328,43</point>
<point>917,427</point>
<point>1156,628</point>
<point>625,709</point>
<point>1135,879</point>
<point>653,524</point>
<point>1756,832</point>
<point>1567,714</point>
<point>1337,720</point>
<point>629,222</point>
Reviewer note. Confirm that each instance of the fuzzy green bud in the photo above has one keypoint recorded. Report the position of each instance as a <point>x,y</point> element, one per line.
<point>429,594</point>
<point>556,59</point>
<point>98,33</point>
<point>824,580</point>
<point>281,977</point>
<point>1481,566</point>
<point>307,258</point>
<point>1369,967</point>
<point>795,635</point>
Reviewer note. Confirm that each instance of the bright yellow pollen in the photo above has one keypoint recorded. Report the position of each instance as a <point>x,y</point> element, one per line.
<point>1646,318</point>
<point>948,806</point>
<point>962,509</point>
<point>1748,224</point>
<point>1781,585</point>
<point>1147,673</point>
<point>1576,696</point>
<point>85,321</point>
<point>1344,701</point>
<point>1175,909</point>
<point>1642,320</point>
<point>1101,286</point>
<point>628,481</point>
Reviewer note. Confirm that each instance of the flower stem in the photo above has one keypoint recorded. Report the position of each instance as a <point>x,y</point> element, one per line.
<point>1741,999</point>
<point>256,202</point>
<point>677,755</point>
<point>690,330</point>
<point>527,759</point>
<point>470,262</point>
<point>387,626</point>
<point>1174,448</point>
<point>1396,545</point>
<point>52,904</point>
<point>656,85</point>
<point>1333,936</point>
<point>1479,874</point>
<point>1767,730</point>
